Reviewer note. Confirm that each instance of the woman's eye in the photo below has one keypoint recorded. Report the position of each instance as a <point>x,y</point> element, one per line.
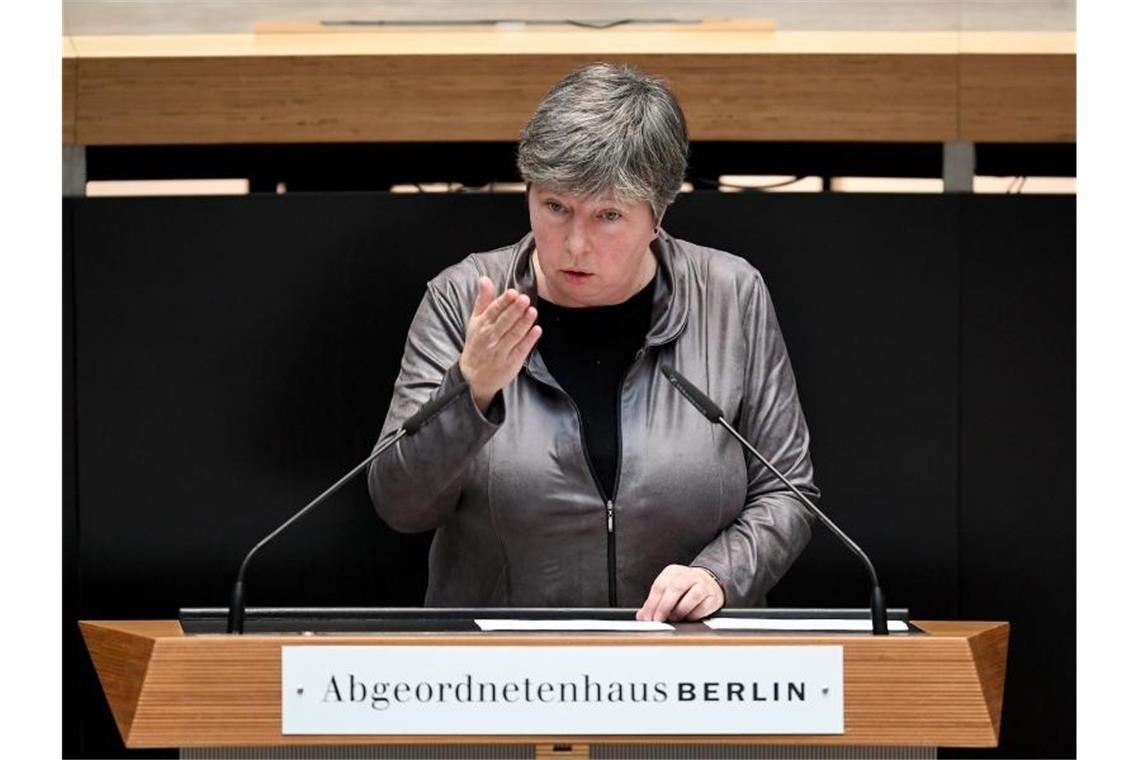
<point>611,216</point>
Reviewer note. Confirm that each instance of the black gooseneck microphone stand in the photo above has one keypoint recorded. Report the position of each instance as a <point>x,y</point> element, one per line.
<point>236,618</point>
<point>713,413</point>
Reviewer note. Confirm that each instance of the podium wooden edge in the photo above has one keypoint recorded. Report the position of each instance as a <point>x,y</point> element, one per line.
<point>123,653</point>
<point>990,649</point>
<point>121,660</point>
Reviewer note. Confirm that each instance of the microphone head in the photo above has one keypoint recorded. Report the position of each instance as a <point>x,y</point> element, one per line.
<point>692,394</point>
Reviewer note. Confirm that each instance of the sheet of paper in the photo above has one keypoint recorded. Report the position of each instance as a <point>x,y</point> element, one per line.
<point>800,624</point>
<point>571,625</point>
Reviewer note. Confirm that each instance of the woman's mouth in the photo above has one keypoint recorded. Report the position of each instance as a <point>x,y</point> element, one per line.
<point>576,276</point>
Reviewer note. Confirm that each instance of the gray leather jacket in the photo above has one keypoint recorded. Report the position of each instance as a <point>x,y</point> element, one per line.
<point>519,518</point>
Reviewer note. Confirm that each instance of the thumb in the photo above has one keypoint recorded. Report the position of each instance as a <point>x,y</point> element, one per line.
<point>486,295</point>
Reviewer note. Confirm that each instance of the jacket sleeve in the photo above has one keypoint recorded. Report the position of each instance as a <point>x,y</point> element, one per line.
<point>415,485</point>
<point>750,555</point>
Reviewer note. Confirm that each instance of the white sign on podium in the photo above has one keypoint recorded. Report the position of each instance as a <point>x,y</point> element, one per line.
<point>561,690</point>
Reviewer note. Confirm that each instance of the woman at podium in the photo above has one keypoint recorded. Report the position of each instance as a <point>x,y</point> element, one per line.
<point>572,474</point>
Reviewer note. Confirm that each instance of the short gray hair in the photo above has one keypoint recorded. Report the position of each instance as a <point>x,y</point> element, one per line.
<point>606,129</point>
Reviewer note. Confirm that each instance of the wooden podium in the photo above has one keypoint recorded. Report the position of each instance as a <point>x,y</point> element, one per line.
<point>940,685</point>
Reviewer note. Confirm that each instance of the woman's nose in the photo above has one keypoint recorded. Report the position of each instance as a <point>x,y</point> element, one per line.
<point>577,239</point>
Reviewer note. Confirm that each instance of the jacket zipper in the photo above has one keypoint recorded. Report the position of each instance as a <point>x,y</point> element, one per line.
<point>611,550</point>
<point>610,557</point>
<point>611,538</point>
<point>611,541</point>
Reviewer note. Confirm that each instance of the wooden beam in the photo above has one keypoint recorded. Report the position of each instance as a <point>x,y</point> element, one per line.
<point>1027,98</point>
<point>69,74</point>
<point>481,85</point>
<point>488,98</point>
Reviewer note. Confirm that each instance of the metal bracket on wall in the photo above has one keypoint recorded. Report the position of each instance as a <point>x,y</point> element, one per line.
<point>958,162</point>
<point>74,171</point>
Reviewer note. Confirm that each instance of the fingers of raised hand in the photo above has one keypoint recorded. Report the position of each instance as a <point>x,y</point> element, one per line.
<point>489,328</point>
<point>518,328</point>
<point>522,348</point>
<point>496,308</point>
<point>500,333</point>
<point>485,297</point>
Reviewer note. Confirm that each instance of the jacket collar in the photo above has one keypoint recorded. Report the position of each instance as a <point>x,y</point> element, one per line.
<point>671,290</point>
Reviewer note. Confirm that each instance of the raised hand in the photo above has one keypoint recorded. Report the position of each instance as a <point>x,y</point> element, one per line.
<point>500,334</point>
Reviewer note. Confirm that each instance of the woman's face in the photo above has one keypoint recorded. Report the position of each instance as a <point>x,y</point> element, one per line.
<point>590,251</point>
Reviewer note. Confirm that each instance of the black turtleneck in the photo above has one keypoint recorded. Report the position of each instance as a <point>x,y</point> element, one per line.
<point>588,350</point>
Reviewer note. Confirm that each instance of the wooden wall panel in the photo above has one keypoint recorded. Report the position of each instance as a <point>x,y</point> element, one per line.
<point>816,97</point>
<point>1024,98</point>
<point>484,97</point>
<point>69,75</point>
<point>452,85</point>
<point>130,101</point>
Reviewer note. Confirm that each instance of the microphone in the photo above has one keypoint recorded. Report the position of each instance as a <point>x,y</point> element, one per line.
<point>428,412</point>
<point>714,414</point>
